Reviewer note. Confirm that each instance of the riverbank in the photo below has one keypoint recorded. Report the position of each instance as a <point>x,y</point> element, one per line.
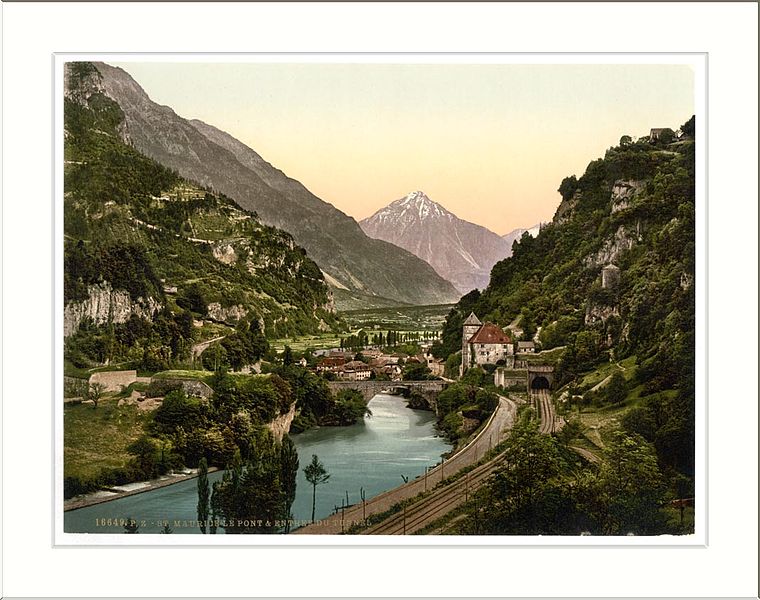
<point>129,489</point>
<point>495,430</point>
<point>364,459</point>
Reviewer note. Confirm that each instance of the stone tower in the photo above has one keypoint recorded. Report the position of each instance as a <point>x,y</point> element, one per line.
<point>610,276</point>
<point>469,328</point>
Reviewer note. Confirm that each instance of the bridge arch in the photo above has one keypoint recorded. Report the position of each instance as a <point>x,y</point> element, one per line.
<point>428,389</point>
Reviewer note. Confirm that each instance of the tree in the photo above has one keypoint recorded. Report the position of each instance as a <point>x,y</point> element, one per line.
<point>287,356</point>
<point>192,298</point>
<point>626,140</point>
<point>95,392</point>
<point>666,136</point>
<point>288,473</point>
<point>567,187</point>
<point>630,487</point>
<point>214,358</point>
<point>528,325</point>
<point>348,408</point>
<point>316,474</point>
<point>616,390</point>
<point>521,497</point>
<point>414,371</point>
<point>203,494</point>
<point>144,450</point>
<point>688,127</point>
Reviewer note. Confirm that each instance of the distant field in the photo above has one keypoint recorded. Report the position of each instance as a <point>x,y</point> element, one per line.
<point>407,319</point>
<point>301,343</point>
<point>400,318</point>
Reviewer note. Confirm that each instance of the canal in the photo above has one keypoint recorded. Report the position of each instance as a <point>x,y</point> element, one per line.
<point>377,454</point>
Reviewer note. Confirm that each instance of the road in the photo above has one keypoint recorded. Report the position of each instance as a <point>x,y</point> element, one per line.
<point>495,431</point>
<point>198,348</point>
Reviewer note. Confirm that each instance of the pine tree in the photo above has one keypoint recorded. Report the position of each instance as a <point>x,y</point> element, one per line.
<point>316,474</point>
<point>288,473</point>
<point>203,494</point>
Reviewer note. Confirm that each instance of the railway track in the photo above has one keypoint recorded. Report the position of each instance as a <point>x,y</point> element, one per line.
<point>496,429</point>
<point>546,411</point>
<point>443,501</point>
<point>446,499</point>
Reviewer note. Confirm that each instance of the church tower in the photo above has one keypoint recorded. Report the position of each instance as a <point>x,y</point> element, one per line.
<point>469,328</point>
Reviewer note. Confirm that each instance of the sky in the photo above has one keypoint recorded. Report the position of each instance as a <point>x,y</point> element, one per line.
<point>490,142</point>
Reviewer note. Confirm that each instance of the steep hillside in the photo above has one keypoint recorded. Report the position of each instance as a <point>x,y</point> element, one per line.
<point>459,251</point>
<point>214,159</point>
<point>630,215</point>
<point>141,241</point>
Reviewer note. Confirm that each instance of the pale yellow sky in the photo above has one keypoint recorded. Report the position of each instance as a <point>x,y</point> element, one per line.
<point>491,143</point>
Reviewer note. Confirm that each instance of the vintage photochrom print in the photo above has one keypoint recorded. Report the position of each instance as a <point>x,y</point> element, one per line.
<point>446,297</point>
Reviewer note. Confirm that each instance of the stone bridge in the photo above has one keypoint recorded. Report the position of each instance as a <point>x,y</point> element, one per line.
<point>540,377</point>
<point>427,389</point>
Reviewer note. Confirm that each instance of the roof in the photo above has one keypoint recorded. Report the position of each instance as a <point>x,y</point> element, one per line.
<point>356,365</point>
<point>331,361</point>
<point>472,320</point>
<point>526,345</point>
<point>490,333</point>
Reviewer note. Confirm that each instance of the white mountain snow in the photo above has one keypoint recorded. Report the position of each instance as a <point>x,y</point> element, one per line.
<point>458,250</point>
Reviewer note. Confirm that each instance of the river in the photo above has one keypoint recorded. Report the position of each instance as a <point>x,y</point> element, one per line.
<point>375,454</point>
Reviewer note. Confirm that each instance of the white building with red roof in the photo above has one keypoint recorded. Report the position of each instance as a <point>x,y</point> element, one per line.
<point>484,344</point>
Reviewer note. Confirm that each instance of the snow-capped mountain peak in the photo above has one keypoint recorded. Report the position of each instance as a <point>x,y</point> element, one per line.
<point>415,205</point>
<point>459,251</point>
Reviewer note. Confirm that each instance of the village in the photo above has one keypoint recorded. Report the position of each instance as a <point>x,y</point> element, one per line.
<point>483,344</point>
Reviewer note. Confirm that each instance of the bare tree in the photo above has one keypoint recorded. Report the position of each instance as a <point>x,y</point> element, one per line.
<point>95,392</point>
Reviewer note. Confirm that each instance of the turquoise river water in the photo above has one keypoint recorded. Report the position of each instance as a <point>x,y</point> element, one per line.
<point>376,455</point>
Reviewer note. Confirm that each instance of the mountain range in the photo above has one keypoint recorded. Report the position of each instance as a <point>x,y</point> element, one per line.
<point>459,251</point>
<point>516,234</point>
<point>351,261</point>
<point>143,243</point>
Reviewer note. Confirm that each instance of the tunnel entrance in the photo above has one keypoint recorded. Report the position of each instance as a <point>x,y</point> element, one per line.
<point>539,383</point>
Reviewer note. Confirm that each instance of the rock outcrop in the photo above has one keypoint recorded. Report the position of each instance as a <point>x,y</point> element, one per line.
<point>623,192</point>
<point>281,425</point>
<point>106,305</point>
<point>229,314</point>
<point>624,239</point>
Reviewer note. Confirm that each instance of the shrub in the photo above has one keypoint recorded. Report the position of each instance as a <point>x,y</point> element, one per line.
<point>76,486</point>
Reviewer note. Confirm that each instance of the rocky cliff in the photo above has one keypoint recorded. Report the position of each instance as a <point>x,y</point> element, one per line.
<point>279,426</point>
<point>105,305</point>
<point>632,214</point>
